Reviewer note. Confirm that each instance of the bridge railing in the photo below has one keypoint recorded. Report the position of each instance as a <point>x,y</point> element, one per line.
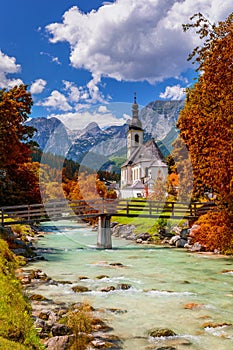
<point>101,206</point>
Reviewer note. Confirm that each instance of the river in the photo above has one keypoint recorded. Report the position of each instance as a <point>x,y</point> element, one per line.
<point>163,281</point>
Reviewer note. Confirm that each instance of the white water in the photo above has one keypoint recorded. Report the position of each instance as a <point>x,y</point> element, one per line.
<point>163,280</point>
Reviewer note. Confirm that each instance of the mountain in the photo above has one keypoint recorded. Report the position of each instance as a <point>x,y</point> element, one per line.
<point>51,135</point>
<point>93,146</point>
<point>159,117</point>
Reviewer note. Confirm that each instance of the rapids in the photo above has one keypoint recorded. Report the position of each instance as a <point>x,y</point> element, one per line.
<point>170,288</point>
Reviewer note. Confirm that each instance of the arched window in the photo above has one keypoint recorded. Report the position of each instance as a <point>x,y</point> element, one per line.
<point>136,138</point>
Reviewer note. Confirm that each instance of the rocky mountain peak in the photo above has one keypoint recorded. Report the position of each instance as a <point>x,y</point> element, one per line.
<point>158,120</point>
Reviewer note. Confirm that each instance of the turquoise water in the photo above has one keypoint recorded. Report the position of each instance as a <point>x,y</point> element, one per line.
<point>162,282</point>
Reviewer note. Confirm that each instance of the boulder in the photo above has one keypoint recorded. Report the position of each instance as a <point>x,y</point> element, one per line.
<point>144,236</point>
<point>61,343</point>
<point>161,332</point>
<point>107,289</point>
<point>174,239</point>
<point>193,230</point>
<point>124,231</point>
<point>83,278</point>
<point>124,286</point>
<point>60,330</point>
<point>197,247</point>
<point>80,289</point>
<point>180,243</point>
<point>176,230</point>
<point>117,311</point>
<point>117,264</point>
<point>44,315</point>
<point>184,233</point>
<point>43,326</point>
<point>100,277</point>
<point>192,306</point>
<point>37,297</point>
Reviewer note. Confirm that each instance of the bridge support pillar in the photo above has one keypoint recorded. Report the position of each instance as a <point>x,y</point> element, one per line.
<point>104,239</point>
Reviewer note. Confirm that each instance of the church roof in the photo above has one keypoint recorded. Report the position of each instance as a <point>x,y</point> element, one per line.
<point>147,152</point>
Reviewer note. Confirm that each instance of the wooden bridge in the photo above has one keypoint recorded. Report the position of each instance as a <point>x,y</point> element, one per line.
<point>103,209</point>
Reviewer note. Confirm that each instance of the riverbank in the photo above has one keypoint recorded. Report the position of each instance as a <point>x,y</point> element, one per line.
<point>17,330</point>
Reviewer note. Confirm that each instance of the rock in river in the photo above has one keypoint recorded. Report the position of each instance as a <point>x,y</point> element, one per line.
<point>80,289</point>
<point>161,332</point>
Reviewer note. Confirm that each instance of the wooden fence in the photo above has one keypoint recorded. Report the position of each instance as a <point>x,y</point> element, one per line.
<point>85,209</point>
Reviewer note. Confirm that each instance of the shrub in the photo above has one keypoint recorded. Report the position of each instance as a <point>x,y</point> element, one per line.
<point>215,232</point>
<point>80,321</point>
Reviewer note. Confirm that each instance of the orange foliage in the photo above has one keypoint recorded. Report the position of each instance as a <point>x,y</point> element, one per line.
<point>172,184</point>
<point>87,186</point>
<point>206,122</point>
<point>215,232</point>
<point>18,180</point>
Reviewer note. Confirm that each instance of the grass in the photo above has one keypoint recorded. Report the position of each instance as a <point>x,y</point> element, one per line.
<point>6,344</point>
<point>80,321</point>
<point>150,225</point>
<point>16,326</point>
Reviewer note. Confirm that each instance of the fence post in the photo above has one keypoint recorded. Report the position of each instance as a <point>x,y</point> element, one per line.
<point>150,207</point>
<point>127,207</point>
<point>173,208</point>
<point>2,211</point>
<point>195,209</point>
<point>29,216</point>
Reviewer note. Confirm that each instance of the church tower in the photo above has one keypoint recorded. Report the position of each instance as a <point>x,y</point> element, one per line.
<point>135,132</point>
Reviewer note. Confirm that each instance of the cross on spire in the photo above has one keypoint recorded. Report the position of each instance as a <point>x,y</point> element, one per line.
<point>135,97</point>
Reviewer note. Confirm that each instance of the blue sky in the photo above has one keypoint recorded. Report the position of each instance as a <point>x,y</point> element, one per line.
<point>83,60</point>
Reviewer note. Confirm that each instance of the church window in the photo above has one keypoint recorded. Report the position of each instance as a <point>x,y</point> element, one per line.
<point>136,138</point>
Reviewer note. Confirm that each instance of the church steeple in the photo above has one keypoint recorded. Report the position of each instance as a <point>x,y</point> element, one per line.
<point>135,132</point>
<point>135,123</point>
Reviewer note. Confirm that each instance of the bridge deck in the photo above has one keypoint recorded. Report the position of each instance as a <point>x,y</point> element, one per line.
<point>93,208</point>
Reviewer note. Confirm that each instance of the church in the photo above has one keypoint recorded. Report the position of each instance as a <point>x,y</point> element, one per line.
<point>144,161</point>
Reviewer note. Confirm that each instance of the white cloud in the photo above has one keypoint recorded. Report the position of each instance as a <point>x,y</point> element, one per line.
<point>38,86</point>
<point>89,94</point>
<point>52,58</point>
<point>93,89</point>
<point>175,92</point>
<point>102,109</point>
<point>57,101</point>
<point>73,91</point>
<point>80,120</point>
<point>133,40</point>
<point>8,65</point>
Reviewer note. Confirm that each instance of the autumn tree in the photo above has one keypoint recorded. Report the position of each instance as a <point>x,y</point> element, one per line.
<point>18,183</point>
<point>159,190</point>
<point>206,122</point>
<point>172,185</point>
